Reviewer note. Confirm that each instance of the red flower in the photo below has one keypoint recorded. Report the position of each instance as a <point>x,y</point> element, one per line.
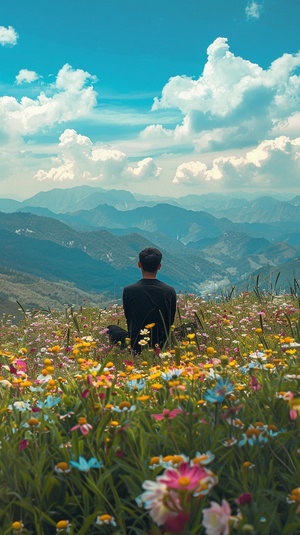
<point>244,499</point>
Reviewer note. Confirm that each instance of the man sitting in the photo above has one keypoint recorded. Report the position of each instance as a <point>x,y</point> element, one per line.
<point>147,301</point>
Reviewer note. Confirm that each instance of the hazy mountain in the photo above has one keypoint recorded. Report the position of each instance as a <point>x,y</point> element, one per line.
<point>176,222</point>
<point>287,276</point>
<point>56,263</point>
<point>9,205</point>
<point>239,254</point>
<point>262,210</point>
<point>37,293</point>
<point>102,261</point>
<point>61,200</point>
<point>89,238</point>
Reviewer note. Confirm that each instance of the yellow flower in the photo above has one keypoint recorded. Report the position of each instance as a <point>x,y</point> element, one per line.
<point>247,465</point>
<point>62,467</point>
<point>124,404</point>
<point>143,398</point>
<point>154,460</point>
<point>210,351</point>
<point>17,526</point>
<point>25,383</point>
<point>33,422</point>
<point>54,349</point>
<point>105,519</point>
<point>295,495</point>
<point>63,525</point>
<point>157,386</point>
<point>150,325</point>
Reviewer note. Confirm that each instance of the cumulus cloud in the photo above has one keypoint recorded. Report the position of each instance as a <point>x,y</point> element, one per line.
<point>232,96</point>
<point>80,159</point>
<point>71,96</point>
<point>26,76</point>
<point>8,36</point>
<point>273,163</point>
<point>253,10</point>
<point>145,169</point>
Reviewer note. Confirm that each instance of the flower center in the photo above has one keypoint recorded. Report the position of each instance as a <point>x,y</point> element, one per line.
<point>124,405</point>
<point>184,481</point>
<point>104,518</point>
<point>82,420</point>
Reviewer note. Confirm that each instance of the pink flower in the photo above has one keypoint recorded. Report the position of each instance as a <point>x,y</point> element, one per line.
<point>216,518</point>
<point>175,523</point>
<point>254,383</point>
<point>82,425</point>
<point>166,413</point>
<point>154,500</point>
<point>194,478</point>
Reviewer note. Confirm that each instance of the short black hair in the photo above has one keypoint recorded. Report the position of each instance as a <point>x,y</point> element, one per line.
<point>150,259</point>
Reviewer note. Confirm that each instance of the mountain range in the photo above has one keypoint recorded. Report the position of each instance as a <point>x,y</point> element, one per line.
<point>89,238</point>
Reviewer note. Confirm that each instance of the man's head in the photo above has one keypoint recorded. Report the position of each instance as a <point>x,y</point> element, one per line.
<point>150,259</point>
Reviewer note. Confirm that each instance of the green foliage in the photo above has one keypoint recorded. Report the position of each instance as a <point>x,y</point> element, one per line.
<point>84,424</point>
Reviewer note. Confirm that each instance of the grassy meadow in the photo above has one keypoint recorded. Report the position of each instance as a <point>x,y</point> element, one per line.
<point>201,437</point>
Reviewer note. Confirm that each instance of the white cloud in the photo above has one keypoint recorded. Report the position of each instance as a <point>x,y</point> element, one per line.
<point>273,163</point>
<point>234,102</point>
<point>253,10</point>
<point>26,76</point>
<point>79,159</point>
<point>70,98</point>
<point>8,36</point>
<point>145,169</point>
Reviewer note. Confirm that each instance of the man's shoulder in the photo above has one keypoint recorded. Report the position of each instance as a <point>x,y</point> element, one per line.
<point>146,283</point>
<point>132,286</point>
<point>165,285</point>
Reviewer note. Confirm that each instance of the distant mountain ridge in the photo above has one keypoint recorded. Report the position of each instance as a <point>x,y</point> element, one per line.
<point>73,235</point>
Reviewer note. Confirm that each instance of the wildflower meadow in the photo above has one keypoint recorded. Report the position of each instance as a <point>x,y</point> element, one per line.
<point>199,437</point>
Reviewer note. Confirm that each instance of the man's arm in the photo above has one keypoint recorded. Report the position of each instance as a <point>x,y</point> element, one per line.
<point>126,307</point>
<point>173,306</point>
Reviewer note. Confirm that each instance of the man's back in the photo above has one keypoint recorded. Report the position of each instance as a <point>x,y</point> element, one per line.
<point>149,301</point>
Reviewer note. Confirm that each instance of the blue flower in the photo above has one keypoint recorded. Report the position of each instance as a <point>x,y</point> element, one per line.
<point>254,440</point>
<point>136,384</point>
<point>171,374</point>
<point>85,466</point>
<point>49,403</point>
<point>124,408</point>
<point>220,391</point>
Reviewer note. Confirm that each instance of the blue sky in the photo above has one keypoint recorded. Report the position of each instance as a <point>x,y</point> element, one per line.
<point>165,97</point>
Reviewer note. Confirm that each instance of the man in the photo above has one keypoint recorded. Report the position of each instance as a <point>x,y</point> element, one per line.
<point>147,301</point>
